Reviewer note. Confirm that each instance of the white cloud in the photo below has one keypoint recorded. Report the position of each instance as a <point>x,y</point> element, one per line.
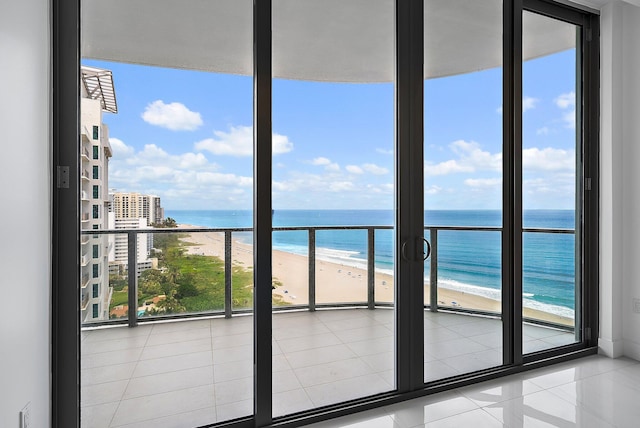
<point>542,131</point>
<point>174,116</point>
<point>219,179</point>
<point>548,159</point>
<point>483,182</point>
<point>239,142</point>
<point>432,190</point>
<point>281,144</point>
<point>120,149</point>
<point>371,168</point>
<point>320,161</point>
<point>471,158</point>
<point>374,169</point>
<point>328,165</point>
<point>384,151</point>
<point>529,103</point>
<point>445,168</point>
<point>569,119</point>
<point>567,100</point>
<point>186,179</point>
<point>499,110</point>
<point>341,186</point>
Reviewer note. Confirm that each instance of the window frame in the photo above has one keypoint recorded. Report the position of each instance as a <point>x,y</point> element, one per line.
<point>66,209</point>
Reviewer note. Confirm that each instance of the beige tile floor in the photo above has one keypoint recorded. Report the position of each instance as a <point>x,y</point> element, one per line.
<point>193,372</point>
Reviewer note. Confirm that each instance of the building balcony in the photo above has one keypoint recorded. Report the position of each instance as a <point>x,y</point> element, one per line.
<point>319,358</point>
<point>84,175</point>
<point>84,259</point>
<point>84,217</point>
<point>84,302</point>
<point>327,348</point>
<point>84,281</point>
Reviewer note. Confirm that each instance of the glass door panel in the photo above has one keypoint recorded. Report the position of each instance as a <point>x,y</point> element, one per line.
<point>550,157</point>
<point>166,155</point>
<point>462,187</point>
<point>333,122</point>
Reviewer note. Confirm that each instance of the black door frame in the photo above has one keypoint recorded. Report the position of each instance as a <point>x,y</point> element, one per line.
<point>65,322</point>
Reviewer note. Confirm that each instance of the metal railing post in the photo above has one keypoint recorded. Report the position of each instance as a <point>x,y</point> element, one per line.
<point>312,269</point>
<point>228,291</point>
<point>132,268</point>
<point>433,271</point>
<point>371,269</point>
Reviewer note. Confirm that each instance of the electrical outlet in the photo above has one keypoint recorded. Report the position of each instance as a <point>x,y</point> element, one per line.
<point>25,416</point>
<point>636,306</point>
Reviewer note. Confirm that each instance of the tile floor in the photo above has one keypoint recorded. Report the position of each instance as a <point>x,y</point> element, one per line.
<point>192,372</point>
<point>595,391</point>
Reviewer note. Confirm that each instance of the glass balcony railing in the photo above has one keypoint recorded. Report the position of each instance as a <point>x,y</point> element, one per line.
<point>204,272</point>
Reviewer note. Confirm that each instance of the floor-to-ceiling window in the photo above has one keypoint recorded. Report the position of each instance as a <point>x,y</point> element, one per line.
<point>402,201</point>
<point>331,189</point>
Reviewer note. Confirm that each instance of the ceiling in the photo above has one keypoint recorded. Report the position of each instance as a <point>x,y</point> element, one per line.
<point>319,40</point>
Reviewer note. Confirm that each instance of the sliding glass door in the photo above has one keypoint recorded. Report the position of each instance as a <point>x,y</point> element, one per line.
<point>463,176</point>
<point>332,194</point>
<point>551,184</point>
<point>409,203</point>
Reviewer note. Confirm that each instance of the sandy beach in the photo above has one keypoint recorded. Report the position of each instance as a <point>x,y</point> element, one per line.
<point>337,282</point>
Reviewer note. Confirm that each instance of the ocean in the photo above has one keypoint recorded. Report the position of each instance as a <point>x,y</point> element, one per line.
<point>468,261</point>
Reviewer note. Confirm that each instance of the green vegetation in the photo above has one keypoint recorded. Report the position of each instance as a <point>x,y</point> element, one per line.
<point>168,222</point>
<point>187,282</point>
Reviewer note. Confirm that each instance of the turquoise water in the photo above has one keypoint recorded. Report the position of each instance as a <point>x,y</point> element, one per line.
<point>467,261</point>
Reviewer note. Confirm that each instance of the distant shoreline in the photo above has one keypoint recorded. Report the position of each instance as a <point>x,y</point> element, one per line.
<point>340,282</point>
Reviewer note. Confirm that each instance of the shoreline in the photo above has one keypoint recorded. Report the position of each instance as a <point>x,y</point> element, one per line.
<point>340,282</point>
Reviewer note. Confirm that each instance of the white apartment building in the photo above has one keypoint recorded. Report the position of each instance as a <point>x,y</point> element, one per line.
<point>136,205</point>
<point>119,248</point>
<point>97,97</point>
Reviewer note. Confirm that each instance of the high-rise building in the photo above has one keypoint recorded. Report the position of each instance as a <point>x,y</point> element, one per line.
<point>119,248</point>
<point>132,210</point>
<point>136,205</point>
<point>97,97</point>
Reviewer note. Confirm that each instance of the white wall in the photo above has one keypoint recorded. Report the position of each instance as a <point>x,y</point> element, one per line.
<point>25,212</point>
<point>631,176</point>
<point>620,180</point>
<point>611,114</point>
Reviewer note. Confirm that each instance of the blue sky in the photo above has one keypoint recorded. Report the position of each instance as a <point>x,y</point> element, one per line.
<point>186,136</point>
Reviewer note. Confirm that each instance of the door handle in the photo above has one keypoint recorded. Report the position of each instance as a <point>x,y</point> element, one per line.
<point>428,253</point>
<point>403,251</point>
<point>420,241</point>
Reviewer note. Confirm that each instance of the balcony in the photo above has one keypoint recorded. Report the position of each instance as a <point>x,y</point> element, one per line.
<point>85,175</point>
<point>84,301</point>
<point>324,351</point>
<point>84,217</point>
<point>84,281</point>
<point>86,155</point>
<point>84,259</point>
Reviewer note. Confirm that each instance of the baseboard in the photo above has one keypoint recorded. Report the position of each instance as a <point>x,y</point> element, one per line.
<point>632,350</point>
<point>611,348</point>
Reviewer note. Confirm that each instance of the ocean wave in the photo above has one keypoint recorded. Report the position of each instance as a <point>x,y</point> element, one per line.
<point>347,258</point>
<point>333,253</point>
<point>496,294</point>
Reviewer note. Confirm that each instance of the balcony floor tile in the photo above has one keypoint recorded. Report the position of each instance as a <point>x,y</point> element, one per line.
<point>193,372</point>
